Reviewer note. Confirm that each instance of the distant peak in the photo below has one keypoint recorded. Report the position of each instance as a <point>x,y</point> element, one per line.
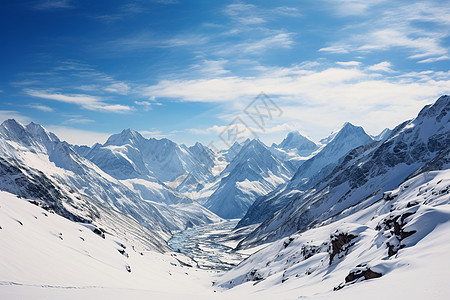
<point>294,133</point>
<point>348,125</point>
<point>127,136</point>
<point>128,131</point>
<point>11,122</point>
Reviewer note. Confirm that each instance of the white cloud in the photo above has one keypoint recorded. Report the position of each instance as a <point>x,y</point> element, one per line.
<point>118,88</point>
<point>40,107</point>
<point>352,7</point>
<point>317,99</point>
<point>349,63</point>
<point>384,66</point>
<point>335,49</point>
<point>401,25</point>
<point>434,59</point>
<point>78,121</point>
<point>154,133</point>
<point>86,101</point>
<point>245,14</point>
<point>146,105</point>
<point>79,137</point>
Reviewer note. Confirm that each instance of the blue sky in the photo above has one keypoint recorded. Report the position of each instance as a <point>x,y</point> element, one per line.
<point>186,69</point>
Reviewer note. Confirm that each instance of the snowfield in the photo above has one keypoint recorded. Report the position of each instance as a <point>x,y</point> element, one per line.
<point>405,239</point>
<point>47,256</point>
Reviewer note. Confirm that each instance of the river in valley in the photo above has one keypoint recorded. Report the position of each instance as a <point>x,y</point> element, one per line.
<point>210,245</point>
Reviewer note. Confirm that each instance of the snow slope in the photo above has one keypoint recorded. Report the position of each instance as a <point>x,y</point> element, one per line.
<point>403,239</point>
<point>45,255</point>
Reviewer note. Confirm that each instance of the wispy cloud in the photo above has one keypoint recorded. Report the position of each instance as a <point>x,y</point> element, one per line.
<point>118,88</point>
<point>41,107</point>
<point>335,49</point>
<point>78,121</point>
<point>257,46</point>
<point>147,105</point>
<point>246,14</point>
<point>154,133</point>
<point>349,63</point>
<point>86,101</point>
<point>384,66</point>
<point>53,5</point>
<point>351,7</point>
<point>405,27</point>
<point>146,40</point>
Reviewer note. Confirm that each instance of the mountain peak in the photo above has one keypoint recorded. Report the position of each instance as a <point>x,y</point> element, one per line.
<point>350,130</point>
<point>40,133</point>
<point>433,110</point>
<point>11,124</point>
<point>298,142</point>
<point>127,136</point>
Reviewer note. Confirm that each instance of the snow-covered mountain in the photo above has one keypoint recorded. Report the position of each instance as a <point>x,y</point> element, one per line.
<point>363,174</point>
<point>309,173</point>
<point>395,247</point>
<point>230,153</point>
<point>383,135</point>
<point>156,169</point>
<point>35,164</point>
<point>294,148</point>
<point>254,171</point>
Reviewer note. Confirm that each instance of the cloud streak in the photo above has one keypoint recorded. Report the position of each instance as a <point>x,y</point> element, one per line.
<point>86,101</point>
<point>399,27</point>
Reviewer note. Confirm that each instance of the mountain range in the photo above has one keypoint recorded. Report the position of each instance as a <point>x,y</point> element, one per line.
<point>320,216</point>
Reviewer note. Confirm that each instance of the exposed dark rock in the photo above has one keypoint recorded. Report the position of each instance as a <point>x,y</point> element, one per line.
<point>395,225</point>
<point>99,231</point>
<point>121,251</point>
<point>288,242</point>
<point>309,250</point>
<point>340,244</point>
<point>389,196</point>
<point>360,273</point>
<point>254,276</point>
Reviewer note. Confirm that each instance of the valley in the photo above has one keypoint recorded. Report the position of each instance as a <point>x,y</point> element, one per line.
<point>209,246</point>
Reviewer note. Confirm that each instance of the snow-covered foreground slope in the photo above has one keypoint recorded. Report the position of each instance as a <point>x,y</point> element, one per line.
<point>45,255</point>
<point>396,248</point>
